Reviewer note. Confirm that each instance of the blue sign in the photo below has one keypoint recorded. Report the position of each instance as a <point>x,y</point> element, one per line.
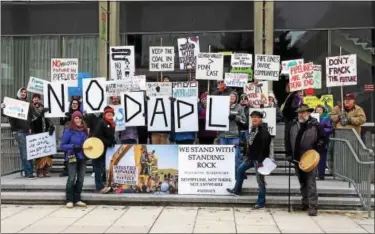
<point>77,91</point>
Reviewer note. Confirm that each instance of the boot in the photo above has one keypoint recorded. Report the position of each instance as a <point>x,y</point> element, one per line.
<point>39,173</point>
<point>313,211</point>
<point>46,171</point>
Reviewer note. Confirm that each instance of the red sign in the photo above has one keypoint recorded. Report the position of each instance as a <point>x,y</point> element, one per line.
<point>369,88</point>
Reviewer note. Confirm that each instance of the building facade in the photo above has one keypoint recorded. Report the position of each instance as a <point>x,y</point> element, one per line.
<point>33,33</point>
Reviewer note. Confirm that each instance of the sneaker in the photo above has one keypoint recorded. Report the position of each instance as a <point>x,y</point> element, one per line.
<point>105,190</point>
<point>30,177</point>
<point>232,191</point>
<point>81,204</point>
<point>69,205</point>
<point>313,212</point>
<point>259,206</point>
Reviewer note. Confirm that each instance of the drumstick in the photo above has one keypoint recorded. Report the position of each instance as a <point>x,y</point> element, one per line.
<point>87,147</point>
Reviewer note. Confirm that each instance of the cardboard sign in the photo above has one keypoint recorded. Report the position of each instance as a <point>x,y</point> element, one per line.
<point>257,93</point>
<point>15,108</point>
<point>185,89</point>
<point>125,175</point>
<point>161,58</point>
<point>40,145</point>
<point>122,62</point>
<point>65,70</point>
<point>241,60</point>
<point>317,77</point>
<point>316,116</point>
<point>325,100</point>
<point>215,105</point>
<point>269,117</point>
<point>286,65</point>
<point>36,85</point>
<point>209,66</point>
<point>341,70</point>
<point>244,70</point>
<point>267,67</point>
<point>301,77</point>
<point>159,89</point>
<point>94,95</point>
<point>134,109</point>
<point>206,169</point>
<point>119,117</point>
<point>159,114</point>
<point>186,114</point>
<point>235,79</point>
<point>56,99</point>
<point>188,48</point>
<point>117,88</point>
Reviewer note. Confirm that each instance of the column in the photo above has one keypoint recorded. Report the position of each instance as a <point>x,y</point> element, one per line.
<point>103,38</point>
<point>268,32</point>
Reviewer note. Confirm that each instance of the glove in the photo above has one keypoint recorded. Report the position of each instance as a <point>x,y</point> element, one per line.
<point>112,144</point>
<point>147,98</point>
<point>172,99</point>
<point>2,105</point>
<point>232,117</point>
<point>77,148</point>
<point>45,110</point>
<point>260,164</point>
<point>344,121</point>
<point>84,114</point>
<point>157,89</point>
<point>51,130</point>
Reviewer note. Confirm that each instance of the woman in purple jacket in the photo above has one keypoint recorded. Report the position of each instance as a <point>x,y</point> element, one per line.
<point>71,143</point>
<point>325,122</point>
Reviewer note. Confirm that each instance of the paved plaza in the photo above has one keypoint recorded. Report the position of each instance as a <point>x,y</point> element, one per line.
<point>142,219</point>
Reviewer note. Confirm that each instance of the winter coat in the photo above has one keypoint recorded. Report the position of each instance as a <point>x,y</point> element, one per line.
<point>356,115</point>
<point>233,132</point>
<point>245,126</point>
<point>326,123</point>
<point>258,146</point>
<point>39,123</point>
<point>70,138</point>
<point>105,133</point>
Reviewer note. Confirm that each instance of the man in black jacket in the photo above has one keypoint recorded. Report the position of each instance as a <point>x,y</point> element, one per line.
<point>305,133</point>
<point>257,149</point>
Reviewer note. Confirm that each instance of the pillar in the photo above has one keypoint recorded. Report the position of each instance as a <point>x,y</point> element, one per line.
<point>268,32</point>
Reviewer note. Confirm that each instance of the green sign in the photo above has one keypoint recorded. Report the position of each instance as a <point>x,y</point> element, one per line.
<point>103,24</point>
<point>244,70</point>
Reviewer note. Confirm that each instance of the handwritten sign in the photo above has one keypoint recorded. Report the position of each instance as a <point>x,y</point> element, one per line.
<point>188,48</point>
<point>244,70</point>
<point>122,62</point>
<point>341,70</point>
<point>257,93</point>
<point>235,79</point>
<point>125,175</point>
<point>209,66</point>
<point>185,89</point>
<point>301,77</point>
<point>269,117</point>
<point>286,65</point>
<point>36,85</point>
<point>117,88</point>
<point>317,76</point>
<point>325,100</point>
<point>267,67</point>
<point>161,58</point>
<point>241,60</point>
<point>159,89</point>
<point>65,70</point>
<point>119,117</point>
<point>40,145</point>
<point>15,108</point>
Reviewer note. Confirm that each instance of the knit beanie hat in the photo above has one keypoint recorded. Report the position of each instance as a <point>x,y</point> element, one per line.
<point>77,114</point>
<point>109,109</point>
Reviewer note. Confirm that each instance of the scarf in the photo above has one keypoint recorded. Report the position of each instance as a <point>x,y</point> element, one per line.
<point>252,135</point>
<point>110,121</point>
<point>76,127</point>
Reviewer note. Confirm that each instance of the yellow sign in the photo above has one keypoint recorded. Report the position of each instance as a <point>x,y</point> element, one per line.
<point>226,53</point>
<point>325,100</point>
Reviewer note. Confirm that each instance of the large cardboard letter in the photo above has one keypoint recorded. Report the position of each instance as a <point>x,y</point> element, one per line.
<point>186,114</point>
<point>134,109</point>
<point>94,95</point>
<point>56,99</point>
<point>217,116</point>
<point>159,114</point>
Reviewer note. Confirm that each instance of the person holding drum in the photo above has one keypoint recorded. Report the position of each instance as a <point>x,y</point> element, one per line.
<point>305,133</point>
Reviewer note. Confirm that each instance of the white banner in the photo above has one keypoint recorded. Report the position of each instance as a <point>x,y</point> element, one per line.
<point>185,89</point>
<point>161,58</point>
<point>267,67</point>
<point>217,113</point>
<point>159,114</point>
<point>56,99</point>
<point>286,65</point>
<point>134,113</point>
<point>206,169</point>
<point>186,114</point>
<point>257,93</point>
<point>317,76</point>
<point>36,85</point>
<point>65,70</point>
<point>341,70</point>
<point>188,48</point>
<point>159,89</point>
<point>15,108</point>
<point>94,95</point>
<point>118,88</point>
<point>301,77</point>
<point>119,117</point>
<point>269,117</point>
<point>209,66</point>
<point>241,60</point>
<point>122,62</point>
<point>235,79</point>
<point>40,145</point>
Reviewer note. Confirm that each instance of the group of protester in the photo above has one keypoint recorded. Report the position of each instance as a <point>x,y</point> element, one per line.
<point>252,143</point>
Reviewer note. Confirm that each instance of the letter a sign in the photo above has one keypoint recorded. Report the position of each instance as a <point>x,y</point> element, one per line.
<point>209,66</point>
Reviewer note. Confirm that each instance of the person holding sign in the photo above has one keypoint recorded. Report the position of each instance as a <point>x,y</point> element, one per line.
<point>353,115</point>
<point>72,142</point>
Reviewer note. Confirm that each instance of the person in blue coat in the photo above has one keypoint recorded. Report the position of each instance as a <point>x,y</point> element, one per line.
<point>71,143</point>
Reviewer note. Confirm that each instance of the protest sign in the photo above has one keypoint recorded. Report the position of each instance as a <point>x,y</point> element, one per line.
<point>40,145</point>
<point>137,83</point>
<point>77,90</point>
<point>185,89</point>
<point>301,77</point>
<point>316,116</point>
<point>209,66</point>
<point>186,114</point>
<point>244,70</point>
<point>159,114</point>
<point>119,117</point>
<point>188,48</point>
<point>159,89</point>
<point>122,62</point>
<point>94,95</point>
<point>257,93</point>
<point>143,168</point>
<point>134,112</point>
<point>206,169</point>
<point>161,58</point>
<point>267,67</point>
<point>317,77</point>
<point>235,79</point>
<point>241,60</point>
<point>325,100</point>
<point>269,117</point>
<point>36,85</point>
<point>15,108</point>
<point>286,65</point>
<point>215,105</point>
<point>65,70</point>
<point>341,70</point>
<point>56,99</point>
<point>117,88</point>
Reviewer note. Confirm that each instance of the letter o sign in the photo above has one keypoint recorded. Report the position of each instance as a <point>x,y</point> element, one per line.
<point>88,96</point>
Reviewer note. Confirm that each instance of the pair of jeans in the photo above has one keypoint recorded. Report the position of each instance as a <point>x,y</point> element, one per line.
<point>27,165</point>
<point>307,187</point>
<point>100,172</point>
<point>74,184</point>
<point>129,142</point>
<point>233,141</point>
<point>322,162</point>
<point>240,172</point>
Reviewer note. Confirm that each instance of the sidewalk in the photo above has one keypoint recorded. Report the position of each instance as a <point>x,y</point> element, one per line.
<point>138,219</point>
